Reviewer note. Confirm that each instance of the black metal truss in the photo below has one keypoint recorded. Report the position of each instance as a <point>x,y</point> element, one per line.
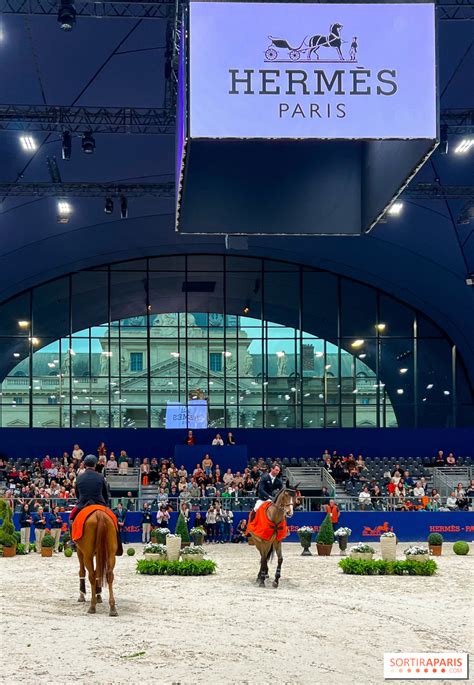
<point>146,120</point>
<point>448,10</point>
<point>418,191</point>
<point>129,190</point>
<point>121,120</point>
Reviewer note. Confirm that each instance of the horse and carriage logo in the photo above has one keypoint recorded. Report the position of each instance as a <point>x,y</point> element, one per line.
<point>280,50</point>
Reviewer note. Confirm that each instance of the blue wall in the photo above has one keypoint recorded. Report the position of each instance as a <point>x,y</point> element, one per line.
<point>390,442</point>
<point>365,526</point>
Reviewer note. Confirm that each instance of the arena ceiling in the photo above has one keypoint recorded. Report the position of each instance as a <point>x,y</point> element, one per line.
<point>421,256</point>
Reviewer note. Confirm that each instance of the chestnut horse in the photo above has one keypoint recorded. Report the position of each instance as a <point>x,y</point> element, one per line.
<point>98,540</point>
<point>278,510</point>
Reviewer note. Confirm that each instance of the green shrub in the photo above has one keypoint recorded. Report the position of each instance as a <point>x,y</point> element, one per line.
<point>20,548</point>
<point>176,568</point>
<point>435,539</point>
<point>66,538</point>
<point>182,528</point>
<point>131,552</point>
<point>159,535</point>
<point>7,529</point>
<point>32,547</point>
<point>47,541</point>
<point>325,535</point>
<point>18,538</point>
<point>461,547</point>
<point>380,567</point>
<point>68,552</point>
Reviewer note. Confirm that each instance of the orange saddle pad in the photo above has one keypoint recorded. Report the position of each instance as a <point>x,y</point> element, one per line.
<point>78,523</point>
<point>262,527</point>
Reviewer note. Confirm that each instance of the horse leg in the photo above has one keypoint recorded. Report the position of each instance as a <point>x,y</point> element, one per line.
<point>110,579</point>
<point>263,566</point>
<point>277,548</point>
<point>90,569</point>
<point>82,577</point>
<point>98,593</point>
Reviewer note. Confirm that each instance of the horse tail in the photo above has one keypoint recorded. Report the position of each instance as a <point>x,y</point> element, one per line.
<point>102,550</point>
<point>270,554</point>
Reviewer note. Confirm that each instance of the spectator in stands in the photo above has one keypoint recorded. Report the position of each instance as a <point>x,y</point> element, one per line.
<point>40,521</point>
<point>326,455</point>
<point>163,516</point>
<point>228,477</point>
<point>130,503</point>
<point>338,471</point>
<point>333,510</point>
<point>144,471</point>
<point>146,523</point>
<point>409,482</point>
<point>239,535</point>
<point>230,440</point>
<point>435,500</point>
<point>396,477</point>
<point>218,441</point>
<point>360,463</point>
<point>450,460</point>
<point>153,475</point>
<point>55,524</point>
<point>190,441</point>
<point>452,502</point>
<point>112,462</point>
<point>211,524</point>
<point>462,500</point>
<point>470,492</point>
<point>102,450</point>
<point>26,520</point>
<point>324,499</point>
<point>101,464</point>
<point>207,465</point>
<point>123,467</point>
<point>418,490</point>
<point>376,496</point>
<point>439,459</point>
<point>364,498</point>
<point>424,484</point>
<point>77,453</point>
<point>121,514</point>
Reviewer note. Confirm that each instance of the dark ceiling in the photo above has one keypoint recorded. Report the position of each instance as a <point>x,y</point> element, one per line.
<point>120,62</point>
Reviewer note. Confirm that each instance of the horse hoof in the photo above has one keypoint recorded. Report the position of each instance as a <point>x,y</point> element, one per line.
<point>81,598</point>
<point>91,610</point>
<point>113,611</point>
<point>99,599</point>
<point>275,583</point>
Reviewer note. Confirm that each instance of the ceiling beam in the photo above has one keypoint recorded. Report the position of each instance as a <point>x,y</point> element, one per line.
<point>118,9</point>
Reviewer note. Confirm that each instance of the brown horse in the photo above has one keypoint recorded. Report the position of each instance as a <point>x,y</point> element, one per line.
<point>99,540</point>
<point>278,510</point>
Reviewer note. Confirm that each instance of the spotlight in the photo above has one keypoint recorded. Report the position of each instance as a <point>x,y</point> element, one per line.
<point>66,148</point>
<point>123,207</point>
<point>357,343</point>
<point>443,140</point>
<point>67,15</point>
<point>28,143</point>
<point>109,205</point>
<point>64,210</point>
<point>88,143</point>
<point>381,327</point>
<point>395,209</point>
<point>470,279</point>
<point>464,146</point>
<point>246,309</point>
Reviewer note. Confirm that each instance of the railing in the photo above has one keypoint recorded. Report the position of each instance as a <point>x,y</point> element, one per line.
<point>445,479</point>
<point>241,504</point>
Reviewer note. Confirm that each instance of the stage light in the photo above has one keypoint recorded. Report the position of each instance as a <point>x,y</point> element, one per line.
<point>443,140</point>
<point>446,392</point>
<point>357,343</point>
<point>67,15</point>
<point>320,354</point>
<point>28,143</point>
<point>88,143</point>
<point>66,146</point>
<point>430,386</point>
<point>174,354</point>
<point>123,207</point>
<point>381,327</point>
<point>400,391</point>
<point>464,146</point>
<point>34,341</point>
<point>64,211</point>
<point>362,356</point>
<point>23,324</point>
<point>246,309</point>
<point>16,355</point>
<point>109,205</point>
<point>395,209</point>
<point>404,370</point>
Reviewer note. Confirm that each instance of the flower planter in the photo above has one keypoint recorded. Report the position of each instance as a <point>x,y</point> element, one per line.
<point>46,551</point>
<point>9,551</point>
<point>417,557</point>
<point>173,548</point>
<point>149,556</point>
<point>192,557</point>
<point>305,541</point>
<point>367,556</point>
<point>198,540</point>
<point>323,550</point>
<point>388,548</point>
<point>342,542</point>
<point>435,550</point>
<point>185,544</point>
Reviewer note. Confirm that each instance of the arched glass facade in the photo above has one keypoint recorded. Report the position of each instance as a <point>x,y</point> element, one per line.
<point>265,343</point>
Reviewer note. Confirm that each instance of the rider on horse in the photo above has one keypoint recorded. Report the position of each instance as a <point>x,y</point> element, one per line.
<point>268,485</point>
<point>91,488</point>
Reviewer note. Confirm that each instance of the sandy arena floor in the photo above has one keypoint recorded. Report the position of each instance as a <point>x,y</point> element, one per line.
<point>318,627</point>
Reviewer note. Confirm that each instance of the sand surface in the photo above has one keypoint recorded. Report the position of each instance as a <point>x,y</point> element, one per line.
<point>320,626</point>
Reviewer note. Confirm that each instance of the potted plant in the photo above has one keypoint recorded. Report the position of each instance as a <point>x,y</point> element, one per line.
<point>66,540</point>
<point>173,547</point>
<point>416,553</point>
<point>325,537</point>
<point>197,535</point>
<point>388,546</point>
<point>47,544</point>
<point>182,530</point>
<point>305,534</point>
<point>7,530</point>
<point>154,551</point>
<point>195,553</point>
<point>435,543</point>
<point>342,534</point>
<point>159,535</point>
<point>362,551</point>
